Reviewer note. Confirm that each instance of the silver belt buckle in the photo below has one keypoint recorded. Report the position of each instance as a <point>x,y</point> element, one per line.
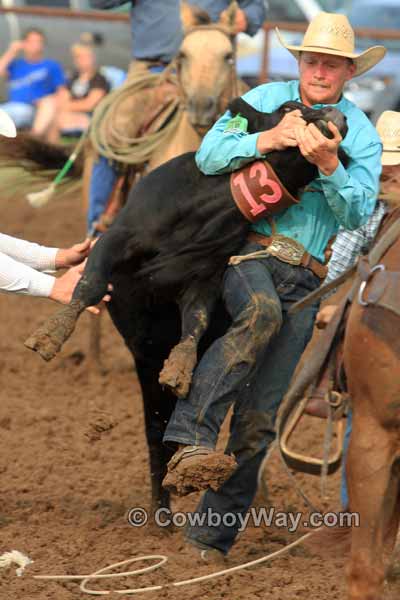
<point>286,249</point>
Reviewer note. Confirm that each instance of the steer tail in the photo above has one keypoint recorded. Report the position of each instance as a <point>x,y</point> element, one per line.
<point>35,155</point>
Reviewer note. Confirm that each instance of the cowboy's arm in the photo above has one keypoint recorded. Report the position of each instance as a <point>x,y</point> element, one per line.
<point>351,193</point>
<point>222,151</point>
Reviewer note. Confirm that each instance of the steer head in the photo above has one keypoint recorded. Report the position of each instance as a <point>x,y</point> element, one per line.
<point>259,121</point>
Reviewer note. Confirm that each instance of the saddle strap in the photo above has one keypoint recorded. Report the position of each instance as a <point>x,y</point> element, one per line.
<point>381,287</point>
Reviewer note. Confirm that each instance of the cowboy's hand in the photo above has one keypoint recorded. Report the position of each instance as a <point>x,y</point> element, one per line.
<point>325,315</point>
<point>69,257</point>
<point>283,135</point>
<point>240,24</point>
<point>65,285</point>
<point>318,149</point>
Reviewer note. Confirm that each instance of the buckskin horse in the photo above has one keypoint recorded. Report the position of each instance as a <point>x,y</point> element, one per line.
<point>371,361</point>
<point>165,254</point>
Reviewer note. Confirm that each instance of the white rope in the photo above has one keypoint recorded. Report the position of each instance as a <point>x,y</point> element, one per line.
<point>15,557</point>
<point>101,574</point>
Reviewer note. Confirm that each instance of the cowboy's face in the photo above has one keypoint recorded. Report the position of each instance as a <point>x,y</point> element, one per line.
<point>322,77</point>
<point>390,179</point>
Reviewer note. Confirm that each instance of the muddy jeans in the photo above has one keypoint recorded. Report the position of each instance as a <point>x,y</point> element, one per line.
<point>257,294</point>
<point>255,383</point>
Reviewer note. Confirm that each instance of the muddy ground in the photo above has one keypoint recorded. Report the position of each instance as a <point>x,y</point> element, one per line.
<point>64,500</point>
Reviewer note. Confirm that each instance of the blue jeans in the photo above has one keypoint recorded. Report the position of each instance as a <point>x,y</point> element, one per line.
<point>343,487</point>
<point>250,369</point>
<point>103,178</point>
<point>257,294</point>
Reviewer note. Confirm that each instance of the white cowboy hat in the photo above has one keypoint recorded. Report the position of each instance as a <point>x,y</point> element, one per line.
<point>7,126</point>
<point>331,33</point>
<point>388,128</point>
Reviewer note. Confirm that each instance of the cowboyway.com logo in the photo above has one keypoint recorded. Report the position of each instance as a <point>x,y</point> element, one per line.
<point>255,517</point>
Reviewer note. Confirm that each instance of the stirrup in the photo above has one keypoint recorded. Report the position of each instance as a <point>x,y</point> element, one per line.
<point>310,464</point>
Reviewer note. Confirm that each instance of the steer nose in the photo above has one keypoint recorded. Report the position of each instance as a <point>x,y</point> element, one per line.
<point>202,110</point>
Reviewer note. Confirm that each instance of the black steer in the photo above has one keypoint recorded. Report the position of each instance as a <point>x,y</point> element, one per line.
<point>165,254</point>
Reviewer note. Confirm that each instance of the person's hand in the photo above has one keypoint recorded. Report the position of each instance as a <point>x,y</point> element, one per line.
<point>16,46</point>
<point>325,315</point>
<point>283,135</point>
<point>240,24</point>
<point>65,285</point>
<point>69,257</point>
<point>318,149</point>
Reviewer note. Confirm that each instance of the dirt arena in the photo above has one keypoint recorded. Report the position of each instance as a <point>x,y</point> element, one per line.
<point>64,501</point>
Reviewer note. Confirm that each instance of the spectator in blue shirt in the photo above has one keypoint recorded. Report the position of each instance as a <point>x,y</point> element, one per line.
<point>33,82</point>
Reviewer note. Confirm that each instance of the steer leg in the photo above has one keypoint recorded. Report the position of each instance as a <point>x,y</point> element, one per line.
<point>92,287</point>
<point>148,333</point>
<point>196,306</point>
<point>373,495</point>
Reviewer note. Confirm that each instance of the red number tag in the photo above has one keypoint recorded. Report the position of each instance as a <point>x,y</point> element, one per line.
<point>258,170</point>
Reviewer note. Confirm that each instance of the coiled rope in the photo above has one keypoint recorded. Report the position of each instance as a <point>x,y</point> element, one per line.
<point>133,150</point>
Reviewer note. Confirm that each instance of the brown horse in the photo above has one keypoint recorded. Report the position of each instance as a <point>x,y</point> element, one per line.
<point>372,364</point>
<point>372,367</point>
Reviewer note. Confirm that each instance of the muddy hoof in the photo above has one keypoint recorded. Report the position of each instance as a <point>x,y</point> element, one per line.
<point>196,468</point>
<point>178,368</point>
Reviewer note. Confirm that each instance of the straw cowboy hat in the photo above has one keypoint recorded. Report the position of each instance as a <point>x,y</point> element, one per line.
<point>331,33</point>
<point>7,127</point>
<point>388,127</point>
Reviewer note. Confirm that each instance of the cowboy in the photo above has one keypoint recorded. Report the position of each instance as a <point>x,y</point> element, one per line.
<point>156,37</point>
<point>251,365</point>
<point>349,245</point>
<point>23,264</point>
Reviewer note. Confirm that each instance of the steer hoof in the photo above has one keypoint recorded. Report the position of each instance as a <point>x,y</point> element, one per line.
<point>44,344</point>
<point>178,368</point>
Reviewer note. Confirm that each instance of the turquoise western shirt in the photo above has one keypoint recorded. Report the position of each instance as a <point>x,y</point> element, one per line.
<point>346,198</point>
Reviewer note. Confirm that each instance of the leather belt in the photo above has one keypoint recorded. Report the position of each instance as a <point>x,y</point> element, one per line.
<point>289,251</point>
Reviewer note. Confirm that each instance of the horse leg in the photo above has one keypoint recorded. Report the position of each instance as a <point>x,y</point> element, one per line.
<point>373,495</point>
<point>196,306</point>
